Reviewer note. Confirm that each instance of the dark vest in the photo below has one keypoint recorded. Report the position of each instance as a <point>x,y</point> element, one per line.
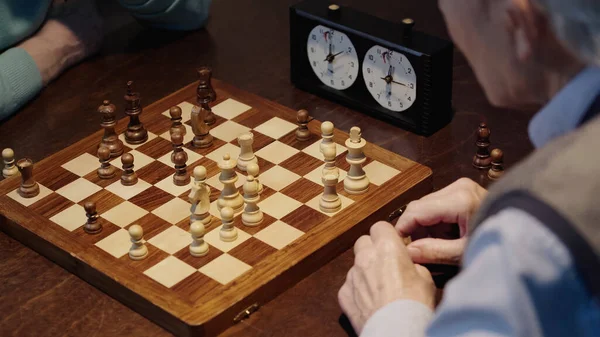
<point>559,185</point>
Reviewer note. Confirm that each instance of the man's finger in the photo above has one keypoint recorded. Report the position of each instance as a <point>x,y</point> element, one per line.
<point>437,251</point>
<point>362,243</point>
<point>384,231</point>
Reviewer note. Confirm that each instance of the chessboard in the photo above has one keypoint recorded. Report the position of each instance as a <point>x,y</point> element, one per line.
<point>197,296</point>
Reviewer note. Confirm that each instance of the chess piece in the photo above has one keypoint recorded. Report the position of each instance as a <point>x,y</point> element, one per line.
<point>198,247</point>
<point>202,136</point>
<point>246,153</point>
<point>29,187</point>
<point>92,226</point>
<point>106,170</point>
<point>135,133</point>
<point>138,250</point>
<point>230,196</point>
<point>181,177</point>
<point>356,181</point>
<point>200,197</point>
<point>176,125</point>
<point>253,170</point>
<point>329,154</point>
<point>252,215</point>
<point>302,132</point>
<point>497,169</point>
<point>109,121</point>
<point>128,177</point>
<point>9,170</point>
<point>177,141</point>
<point>228,231</point>
<point>330,201</point>
<point>205,94</point>
<point>482,159</point>
<point>327,136</point>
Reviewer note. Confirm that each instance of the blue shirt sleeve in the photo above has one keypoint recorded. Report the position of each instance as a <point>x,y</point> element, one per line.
<point>170,14</point>
<point>518,279</point>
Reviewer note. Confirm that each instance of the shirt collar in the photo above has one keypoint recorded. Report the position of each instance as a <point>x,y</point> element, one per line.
<point>566,110</point>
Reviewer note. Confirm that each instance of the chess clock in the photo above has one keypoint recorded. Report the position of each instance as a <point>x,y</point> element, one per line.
<point>381,68</point>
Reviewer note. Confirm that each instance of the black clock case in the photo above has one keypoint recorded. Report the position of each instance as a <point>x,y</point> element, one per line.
<point>431,57</point>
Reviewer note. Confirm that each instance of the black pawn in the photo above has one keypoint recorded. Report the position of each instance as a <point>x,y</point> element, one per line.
<point>302,132</point>
<point>92,226</point>
<point>129,177</point>
<point>482,159</point>
<point>497,169</point>
<point>181,176</point>
<point>177,141</point>
<point>106,170</point>
<point>176,125</point>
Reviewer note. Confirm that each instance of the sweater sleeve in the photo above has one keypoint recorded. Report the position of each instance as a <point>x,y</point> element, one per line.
<point>20,80</point>
<point>19,19</point>
<point>170,14</point>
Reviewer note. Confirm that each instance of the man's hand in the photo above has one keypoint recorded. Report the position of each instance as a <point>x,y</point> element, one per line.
<point>382,273</point>
<point>428,221</point>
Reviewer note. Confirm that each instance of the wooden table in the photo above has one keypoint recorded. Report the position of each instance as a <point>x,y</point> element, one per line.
<point>247,45</point>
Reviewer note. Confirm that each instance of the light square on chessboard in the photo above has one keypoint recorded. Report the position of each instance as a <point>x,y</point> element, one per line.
<point>78,190</point>
<point>230,108</point>
<point>151,225</point>
<point>304,218</point>
<point>155,255</point>
<point>170,271</point>
<point>139,160</point>
<point>171,239</point>
<point>315,150</point>
<point>189,134</point>
<point>355,197</point>
<point>156,148</point>
<point>169,186</point>
<point>252,251</point>
<point>379,173</point>
<point>267,220</point>
<point>259,141</point>
<point>316,175</point>
<point>82,164</point>
<point>290,139</point>
<point>71,218</point>
<point>93,177</point>
<point>155,172</point>
<point>276,152</point>
<point>279,234</point>
<point>57,177</point>
<point>124,214</point>
<point>186,111</point>
<point>228,131</point>
<point>303,190</point>
<point>197,262</point>
<point>228,148</point>
<point>216,183</point>
<point>173,211</point>
<point>51,205</point>
<point>192,158</point>
<point>107,229</point>
<point>276,127</point>
<point>263,166</point>
<point>116,244</point>
<point>128,192</point>
<point>278,178</point>
<point>216,144</point>
<point>196,286</point>
<point>225,269</point>
<point>279,205</point>
<point>151,198</point>
<point>213,238</point>
<point>135,146</point>
<point>301,163</point>
<point>104,200</point>
<point>314,204</point>
<point>44,192</point>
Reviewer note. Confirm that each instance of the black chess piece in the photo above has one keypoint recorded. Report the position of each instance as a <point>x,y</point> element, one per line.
<point>482,159</point>
<point>302,132</point>
<point>497,169</point>
<point>128,177</point>
<point>92,226</point>
<point>206,94</point>
<point>109,121</point>
<point>135,133</point>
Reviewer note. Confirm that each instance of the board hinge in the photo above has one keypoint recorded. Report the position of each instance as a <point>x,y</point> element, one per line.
<point>246,313</point>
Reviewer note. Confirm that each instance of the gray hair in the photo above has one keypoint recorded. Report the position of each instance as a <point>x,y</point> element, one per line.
<point>577,24</point>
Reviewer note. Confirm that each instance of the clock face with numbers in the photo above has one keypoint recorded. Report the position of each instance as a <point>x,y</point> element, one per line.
<point>332,57</point>
<point>390,78</point>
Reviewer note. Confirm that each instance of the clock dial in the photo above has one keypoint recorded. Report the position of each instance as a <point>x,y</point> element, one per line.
<point>332,57</point>
<point>390,78</point>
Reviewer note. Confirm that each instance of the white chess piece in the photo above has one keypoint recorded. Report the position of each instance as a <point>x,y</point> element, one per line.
<point>198,247</point>
<point>327,136</point>
<point>138,250</point>
<point>356,181</point>
<point>230,196</point>
<point>10,169</point>
<point>200,197</point>
<point>329,154</point>
<point>228,231</point>
<point>330,201</point>
<point>253,170</point>
<point>246,153</point>
<point>252,215</point>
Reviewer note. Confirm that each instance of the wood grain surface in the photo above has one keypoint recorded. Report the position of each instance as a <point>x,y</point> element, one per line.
<point>247,47</point>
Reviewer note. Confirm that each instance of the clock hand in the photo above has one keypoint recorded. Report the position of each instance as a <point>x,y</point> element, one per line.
<point>330,57</point>
<point>389,79</point>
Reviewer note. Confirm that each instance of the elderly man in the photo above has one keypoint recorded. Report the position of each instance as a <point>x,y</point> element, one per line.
<point>532,264</point>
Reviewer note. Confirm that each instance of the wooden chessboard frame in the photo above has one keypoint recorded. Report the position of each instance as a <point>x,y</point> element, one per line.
<point>277,273</point>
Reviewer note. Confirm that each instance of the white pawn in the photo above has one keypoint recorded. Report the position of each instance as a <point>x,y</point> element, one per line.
<point>228,231</point>
<point>246,153</point>
<point>200,197</point>
<point>330,201</point>
<point>356,181</point>
<point>10,169</point>
<point>252,215</point>
<point>329,154</point>
<point>198,247</point>
<point>138,250</point>
<point>327,136</point>
<point>252,169</point>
